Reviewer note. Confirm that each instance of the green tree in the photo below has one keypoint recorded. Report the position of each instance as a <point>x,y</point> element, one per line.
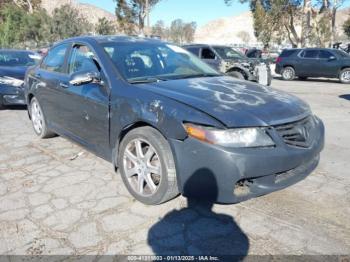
<point>346,27</point>
<point>159,29</point>
<point>131,14</point>
<point>66,22</point>
<point>105,27</point>
<point>11,29</point>
<point>181,32</point>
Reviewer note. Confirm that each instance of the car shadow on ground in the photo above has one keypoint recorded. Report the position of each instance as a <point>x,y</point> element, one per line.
<point>13,108</point>
<point>346,97</point>
<point>196,229</point>
<point>320,80</point>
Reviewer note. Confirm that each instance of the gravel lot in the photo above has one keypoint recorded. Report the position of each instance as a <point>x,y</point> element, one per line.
<point>56,198</point>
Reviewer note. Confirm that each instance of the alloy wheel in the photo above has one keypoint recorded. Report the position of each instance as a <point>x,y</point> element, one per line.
<point>345,76</point>
<point>287,73</point>
<point>37,117</point>
<point>142,167</point>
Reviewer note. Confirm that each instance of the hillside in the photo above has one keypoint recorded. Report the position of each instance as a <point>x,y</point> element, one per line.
<point>90,12</point>
<point>224,30</point>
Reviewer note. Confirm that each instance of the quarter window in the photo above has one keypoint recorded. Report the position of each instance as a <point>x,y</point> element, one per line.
<point>54,61</point>
<point>82,60</point>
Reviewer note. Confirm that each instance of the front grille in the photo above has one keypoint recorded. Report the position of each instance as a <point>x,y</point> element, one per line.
<point>297,133</point>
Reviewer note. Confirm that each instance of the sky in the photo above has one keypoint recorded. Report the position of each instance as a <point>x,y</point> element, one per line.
<point>200,11</point>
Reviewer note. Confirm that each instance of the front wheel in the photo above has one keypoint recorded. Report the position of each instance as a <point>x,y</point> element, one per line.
<point>38,120</point>
<point>344,76</point>
<point>288,73</point>
<point>147,166</point>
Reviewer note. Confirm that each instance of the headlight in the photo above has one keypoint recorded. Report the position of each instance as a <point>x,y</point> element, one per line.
<point>238,137</point>
<point>6,80</point>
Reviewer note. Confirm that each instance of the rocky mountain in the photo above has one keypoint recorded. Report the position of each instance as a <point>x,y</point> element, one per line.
<point>227,30</point>
<point>90,12</point>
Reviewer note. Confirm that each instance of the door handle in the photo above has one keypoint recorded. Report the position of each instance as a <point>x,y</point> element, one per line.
<point>63,85</point>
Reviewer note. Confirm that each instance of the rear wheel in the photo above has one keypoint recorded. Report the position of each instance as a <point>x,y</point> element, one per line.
<point>38,120</point>
<point>344,76</point>
<point>147,166</point>
<point>236,74</point>
<point>288,73</point>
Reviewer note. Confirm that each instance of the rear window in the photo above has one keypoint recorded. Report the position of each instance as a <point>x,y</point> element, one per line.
<point>287,53</point>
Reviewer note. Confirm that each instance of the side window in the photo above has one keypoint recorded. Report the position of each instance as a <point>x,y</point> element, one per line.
<point>54,61</point>
<point>193,50</point>
<point>207,53</point>
<point>325,54</point>
<point>82,60</point>
<point>310,54</point>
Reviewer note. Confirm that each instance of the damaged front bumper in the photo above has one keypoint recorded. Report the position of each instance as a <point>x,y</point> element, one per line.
<point>10,95</point>
<point>238,174</point>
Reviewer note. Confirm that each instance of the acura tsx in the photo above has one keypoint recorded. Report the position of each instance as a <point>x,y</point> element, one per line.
<point>163,117</point>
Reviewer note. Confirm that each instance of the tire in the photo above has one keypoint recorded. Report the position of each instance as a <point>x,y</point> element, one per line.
<point>38,120</point>
<point>1,104</point>
<point>288,73</point>
<point>302,78</point>
<point>134,165</point>
<point>344,76</point>
<point>236,74</point>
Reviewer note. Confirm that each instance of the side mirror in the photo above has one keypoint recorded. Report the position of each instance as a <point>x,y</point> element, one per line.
<point>331,58</point>
<point>85,78</point>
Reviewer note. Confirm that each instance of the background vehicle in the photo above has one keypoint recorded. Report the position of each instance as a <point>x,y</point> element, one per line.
<point>229,61</point>
<point>13,66</point>
<point>314,62</point>
<point>168,120</point>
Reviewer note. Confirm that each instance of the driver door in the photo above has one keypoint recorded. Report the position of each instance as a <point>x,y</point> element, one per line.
<point>88,102</point>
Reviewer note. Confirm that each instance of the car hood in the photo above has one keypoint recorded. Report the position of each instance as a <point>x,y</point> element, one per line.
<point>15,71</point>
<point>234,103</point>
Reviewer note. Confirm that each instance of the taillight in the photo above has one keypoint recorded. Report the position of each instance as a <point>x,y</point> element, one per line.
<point>278,60</point>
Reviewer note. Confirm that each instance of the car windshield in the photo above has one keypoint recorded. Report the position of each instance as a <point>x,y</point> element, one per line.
<point>18,58</point>
<point>151,62</point>
<point>228,53</point>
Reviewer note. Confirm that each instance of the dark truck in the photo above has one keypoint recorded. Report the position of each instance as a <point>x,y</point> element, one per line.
<point>231,62</point>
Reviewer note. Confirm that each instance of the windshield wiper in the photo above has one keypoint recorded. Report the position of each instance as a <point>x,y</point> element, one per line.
<point>198,75</point>
<point>146,80</point>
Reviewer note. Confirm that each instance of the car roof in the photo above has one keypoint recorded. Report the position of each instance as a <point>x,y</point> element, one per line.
<point>111,38</point>
<point>195,45</point>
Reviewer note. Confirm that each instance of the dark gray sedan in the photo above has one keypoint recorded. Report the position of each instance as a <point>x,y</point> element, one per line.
<point>13,66</point>
<point>170,122</point>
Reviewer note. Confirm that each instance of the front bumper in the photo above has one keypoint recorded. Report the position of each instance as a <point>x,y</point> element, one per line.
<point>12,95</point>
<point>234,175</point>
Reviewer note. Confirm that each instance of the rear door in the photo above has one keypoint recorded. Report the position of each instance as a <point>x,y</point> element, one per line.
<point>307,63</point>
<point>328,64</point>
<point>49,78</point>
